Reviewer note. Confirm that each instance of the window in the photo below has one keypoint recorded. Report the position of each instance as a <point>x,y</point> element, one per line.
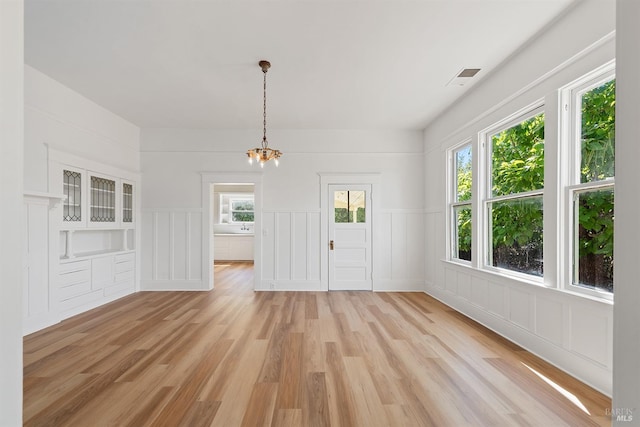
<point>591,105</point>
<point>461,203</point>
<point>349,206</point>
<point>514,195</point>
<point>241,210</point>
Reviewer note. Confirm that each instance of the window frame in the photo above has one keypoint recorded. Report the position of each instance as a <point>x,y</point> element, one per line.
<point>488,198</point>
<point>571,101</point>
<point>233,199</point>
<point>454,204</point>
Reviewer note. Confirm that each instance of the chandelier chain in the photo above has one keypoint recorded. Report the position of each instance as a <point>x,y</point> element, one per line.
<point>264,110</point>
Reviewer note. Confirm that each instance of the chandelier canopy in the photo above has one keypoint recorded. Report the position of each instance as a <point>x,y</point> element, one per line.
<point>263,153</point>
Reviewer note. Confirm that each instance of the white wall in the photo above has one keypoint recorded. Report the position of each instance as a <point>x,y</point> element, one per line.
<point>65,120</point>
<point>172,160</point>
<point>11,153</point>
<point>60,125</point>
<point>626,350</point>
<point>573,332</point>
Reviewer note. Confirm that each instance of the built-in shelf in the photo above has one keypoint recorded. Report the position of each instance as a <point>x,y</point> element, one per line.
<point>94,254</point>
<point>54,198</point>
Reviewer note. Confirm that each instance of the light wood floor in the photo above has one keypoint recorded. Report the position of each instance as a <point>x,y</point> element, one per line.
<point>237,357</point>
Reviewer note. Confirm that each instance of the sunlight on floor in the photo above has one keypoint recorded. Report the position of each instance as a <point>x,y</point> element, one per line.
<point>570,396</point>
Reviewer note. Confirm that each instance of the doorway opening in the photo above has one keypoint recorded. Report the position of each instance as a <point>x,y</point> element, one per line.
<point>233,212</point>
<point>230,214</point>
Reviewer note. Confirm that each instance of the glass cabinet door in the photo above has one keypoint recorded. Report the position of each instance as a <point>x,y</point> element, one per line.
<point>72,188</point>
<point>103,200</point>
<point>127,203</point>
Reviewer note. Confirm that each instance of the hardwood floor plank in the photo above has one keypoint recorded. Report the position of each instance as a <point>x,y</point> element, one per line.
<point>149,411</point>
<point>340,400</point>
<point>261,405</point>
<point>235,400</point>
<point>317,408</point>
<point>234,357</point>
<point>310,306</point>
<point>291,372</point>
<point>288,418</point>
<point>368,408</point>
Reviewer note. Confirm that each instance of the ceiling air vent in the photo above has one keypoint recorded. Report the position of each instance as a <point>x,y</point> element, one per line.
<point>463,76</point>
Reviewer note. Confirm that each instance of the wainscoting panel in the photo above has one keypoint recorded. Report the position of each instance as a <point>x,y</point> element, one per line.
<point>479,292</point>
<point>179,247</point>
<point>520,308</point>
<point>284,235</point>
<point>291,251</point>
<point>550,314</point>
<point>300,245</point>
<point>269,238</point>
<point>163,246</point>
<point>399,250</point>
<point>382,246</point>
<point>591,328</point>
<point>497,298</point>
<point>172,256</point>
<point>464,286</point>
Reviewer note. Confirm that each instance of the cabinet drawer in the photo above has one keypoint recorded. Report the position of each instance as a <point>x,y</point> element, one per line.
<point>125,258</point>
<point>74,290</point>
<point>68,267</point>
<point>124,266</point>
<point>74,277</point>
<point>124,276</point>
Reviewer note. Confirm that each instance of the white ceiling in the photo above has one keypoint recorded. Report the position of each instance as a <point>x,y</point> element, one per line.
<point>335,64</point>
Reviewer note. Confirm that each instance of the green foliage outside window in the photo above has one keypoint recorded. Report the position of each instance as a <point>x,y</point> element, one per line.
<point>243,217</point>
<point>242,211</point>
<point>343,215</point>
<point>518,167</point>
<point>462,218</point>
<point>595,208</point>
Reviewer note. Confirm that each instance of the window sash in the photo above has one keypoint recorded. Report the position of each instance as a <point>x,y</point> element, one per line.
<point>517,118</point>
<point>454,203</point>
<point>232,211</point>
<point>575,192</point>
<point>573,104</point>
<point>489,233</point>
<point>455,230</point>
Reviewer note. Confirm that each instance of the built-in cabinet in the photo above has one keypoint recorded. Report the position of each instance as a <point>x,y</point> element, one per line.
<point>233,247</point>
<point>90,280</point>
<point>90,233</point>
<point>97,237</point>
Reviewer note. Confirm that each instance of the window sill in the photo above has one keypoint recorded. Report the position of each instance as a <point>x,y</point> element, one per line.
<point>508,279</point>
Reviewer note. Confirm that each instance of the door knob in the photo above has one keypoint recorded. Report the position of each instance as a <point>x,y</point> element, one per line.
<point>331,244</point>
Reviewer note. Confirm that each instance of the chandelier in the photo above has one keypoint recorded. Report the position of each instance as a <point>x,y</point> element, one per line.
<point>263,153</point>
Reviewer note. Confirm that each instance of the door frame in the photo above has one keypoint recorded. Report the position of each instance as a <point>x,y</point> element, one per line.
<point>326,179</point>
<point>208,180</point>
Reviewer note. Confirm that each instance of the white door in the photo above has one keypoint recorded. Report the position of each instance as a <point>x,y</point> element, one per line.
<point>350,237</point>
